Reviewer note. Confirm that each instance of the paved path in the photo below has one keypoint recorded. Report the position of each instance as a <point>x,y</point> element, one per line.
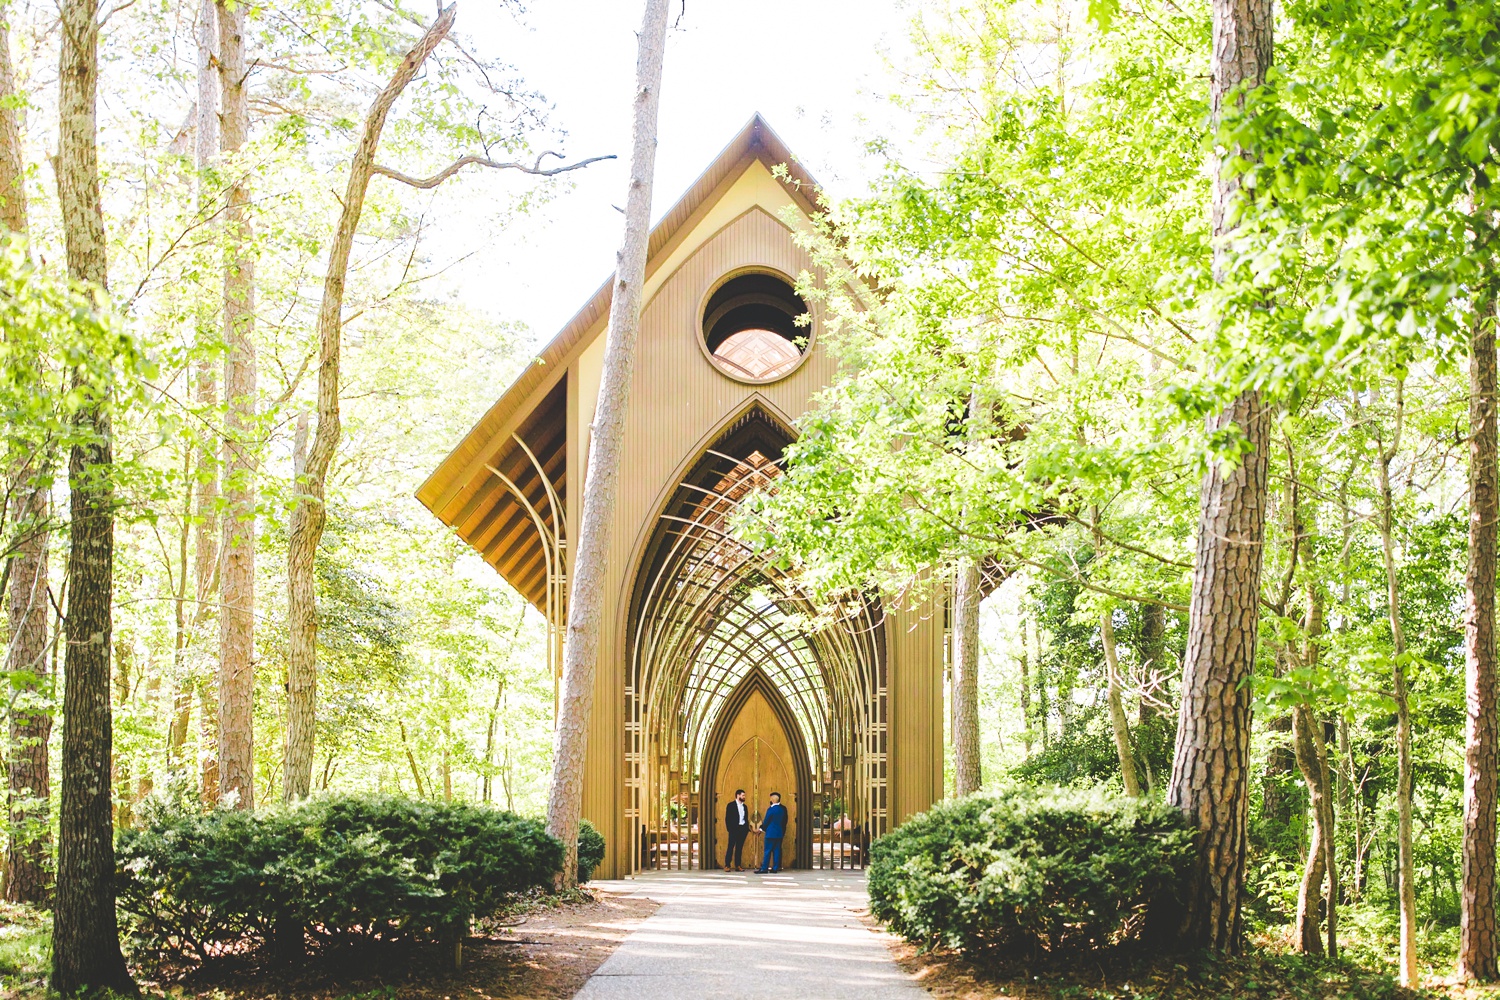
<point>750,937</point>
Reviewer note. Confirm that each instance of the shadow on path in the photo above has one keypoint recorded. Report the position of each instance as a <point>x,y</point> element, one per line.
<point>738,937</point>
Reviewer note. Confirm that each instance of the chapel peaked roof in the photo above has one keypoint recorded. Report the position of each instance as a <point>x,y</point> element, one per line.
<point>465,491</point>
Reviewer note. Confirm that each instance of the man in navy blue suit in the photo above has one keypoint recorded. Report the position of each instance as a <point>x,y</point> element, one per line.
<point>773,825</point>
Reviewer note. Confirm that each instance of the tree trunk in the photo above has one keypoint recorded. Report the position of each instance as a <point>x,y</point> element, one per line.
<point>489,739</point>
<point>967,771</point>
<point>1308,934</point>
<point>308,513</point>
<point>1117,704</point>
<point>586,601</point>
<point>237,576</point>
<point>208,739</point>
<point>1477,944</point>
<point>1281,762</point>
<point>1312,760</point>
<point>1363,835</point>
<point>125,681</point>
<point>1025,691</point>
<point>29,846</point>
<point>507,774</point>
<point>12,158</point>
<point>85,935</point>
<point>206,398</point>
<point>1405,865</point>
<point>411,760</point>
<point>1043,705</point>
<point>1211,763</point>
<point>180,709</point>
<point>1153,655</point>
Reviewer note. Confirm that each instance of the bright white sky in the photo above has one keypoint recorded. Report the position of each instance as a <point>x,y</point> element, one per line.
<point>816,70</point>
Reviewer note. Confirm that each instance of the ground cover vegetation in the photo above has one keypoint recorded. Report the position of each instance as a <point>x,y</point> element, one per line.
<point>1172,331</point>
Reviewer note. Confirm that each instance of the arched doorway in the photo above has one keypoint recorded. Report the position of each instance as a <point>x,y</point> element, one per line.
<point>756,745</point>
<point>718,631</point>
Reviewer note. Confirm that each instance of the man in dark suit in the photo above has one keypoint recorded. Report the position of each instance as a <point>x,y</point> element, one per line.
<point>773,825</point>
<point>737,822</point>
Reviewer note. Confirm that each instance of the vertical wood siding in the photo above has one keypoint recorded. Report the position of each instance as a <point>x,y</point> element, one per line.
<point>677,399</point>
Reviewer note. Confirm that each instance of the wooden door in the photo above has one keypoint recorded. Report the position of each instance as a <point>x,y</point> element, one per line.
<point>758,758</point>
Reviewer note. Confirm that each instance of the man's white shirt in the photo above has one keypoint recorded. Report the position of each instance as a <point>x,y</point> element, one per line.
<point>742,811</point>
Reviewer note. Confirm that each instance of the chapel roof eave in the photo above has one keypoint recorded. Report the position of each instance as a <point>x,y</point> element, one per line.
<point>445,488</point>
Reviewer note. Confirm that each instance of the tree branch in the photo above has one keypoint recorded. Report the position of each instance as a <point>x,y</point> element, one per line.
<point>427,183</point>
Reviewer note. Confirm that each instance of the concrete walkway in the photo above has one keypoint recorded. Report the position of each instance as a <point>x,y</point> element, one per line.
<point>749,937</point>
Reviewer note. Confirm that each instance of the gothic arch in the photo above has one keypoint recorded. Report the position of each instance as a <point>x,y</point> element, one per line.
<point>706,611</point>
<point>756,682</point>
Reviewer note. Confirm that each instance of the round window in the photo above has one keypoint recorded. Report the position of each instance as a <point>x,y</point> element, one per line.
<point>750,328</point>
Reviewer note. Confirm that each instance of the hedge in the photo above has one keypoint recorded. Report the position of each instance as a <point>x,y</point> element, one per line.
<point>590,850</point>
<point>1028,871</point>
<point>328,871</point>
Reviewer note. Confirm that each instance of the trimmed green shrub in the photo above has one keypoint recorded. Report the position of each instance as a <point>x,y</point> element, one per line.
<point>590,850</point>
<point>1028,870</point>
<point>332,870</point>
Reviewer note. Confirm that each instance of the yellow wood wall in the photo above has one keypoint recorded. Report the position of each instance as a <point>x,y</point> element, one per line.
<point>679,403</point>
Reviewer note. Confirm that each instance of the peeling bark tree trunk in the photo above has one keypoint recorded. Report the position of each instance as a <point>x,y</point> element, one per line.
<point>1211,763</point>
<point>237,616</point>
<point>1153,656</point>
<point>1309,749</point>
<point>1312,760</point>
<point>586,600</point>
<point>85,935</point>
<point>30,842</point>
<point>308,514</point>
<point>1117,705</point>
<point>968,775</point>
<point>1477,944</point>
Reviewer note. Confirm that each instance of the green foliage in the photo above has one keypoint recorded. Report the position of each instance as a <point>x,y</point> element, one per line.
<point>25,942</point>
<point>590,850</point>
<point>63,352</point>
<point>1050,324</point>
<point>333,869</point>
<point>1028,870</point>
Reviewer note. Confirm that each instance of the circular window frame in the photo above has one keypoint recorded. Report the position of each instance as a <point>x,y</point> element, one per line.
<point>701,335</point>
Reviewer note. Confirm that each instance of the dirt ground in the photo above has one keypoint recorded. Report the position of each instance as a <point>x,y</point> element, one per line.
<point>947,976</point>
<point>545,953</point>
<point>1257,974</point>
